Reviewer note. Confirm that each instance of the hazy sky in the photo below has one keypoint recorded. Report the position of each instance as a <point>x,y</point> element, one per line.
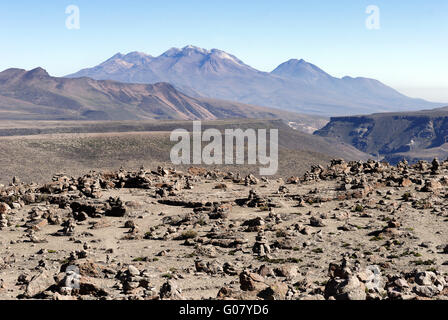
<point>408,52</point>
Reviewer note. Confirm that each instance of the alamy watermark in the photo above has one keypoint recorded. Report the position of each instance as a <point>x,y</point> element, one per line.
<point>73,21</point>
<point>189,149</point>
<point>373,21</point>
<point>73,277</point>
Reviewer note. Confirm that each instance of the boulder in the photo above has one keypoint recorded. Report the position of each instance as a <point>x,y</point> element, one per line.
<point>276,291</point>
<point>39,284</point>
<point>251,281</point>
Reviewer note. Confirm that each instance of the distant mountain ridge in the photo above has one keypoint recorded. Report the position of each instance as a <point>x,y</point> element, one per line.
<point>35,95</point>
<point>295,85</point>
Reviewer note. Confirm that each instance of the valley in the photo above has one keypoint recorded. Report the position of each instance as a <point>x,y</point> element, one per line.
<point>413,136</point>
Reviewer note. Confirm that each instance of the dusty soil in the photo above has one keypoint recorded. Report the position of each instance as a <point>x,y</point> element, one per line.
<point>347,231</point>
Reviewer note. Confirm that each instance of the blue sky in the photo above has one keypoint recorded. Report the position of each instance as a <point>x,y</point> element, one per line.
<point>408,52</point>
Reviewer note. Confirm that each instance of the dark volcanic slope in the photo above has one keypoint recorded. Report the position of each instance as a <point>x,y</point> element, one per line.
<point>295,85</point>
<point>410,135</point>
<point>35,95</point>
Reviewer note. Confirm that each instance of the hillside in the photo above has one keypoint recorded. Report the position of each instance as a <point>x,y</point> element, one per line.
<point>34,150</point>
<point>35,95</point>
<point>410,135</point>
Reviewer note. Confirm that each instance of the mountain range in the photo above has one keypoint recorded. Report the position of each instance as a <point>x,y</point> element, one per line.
<point>295,85</point>
<point>35,95</point>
